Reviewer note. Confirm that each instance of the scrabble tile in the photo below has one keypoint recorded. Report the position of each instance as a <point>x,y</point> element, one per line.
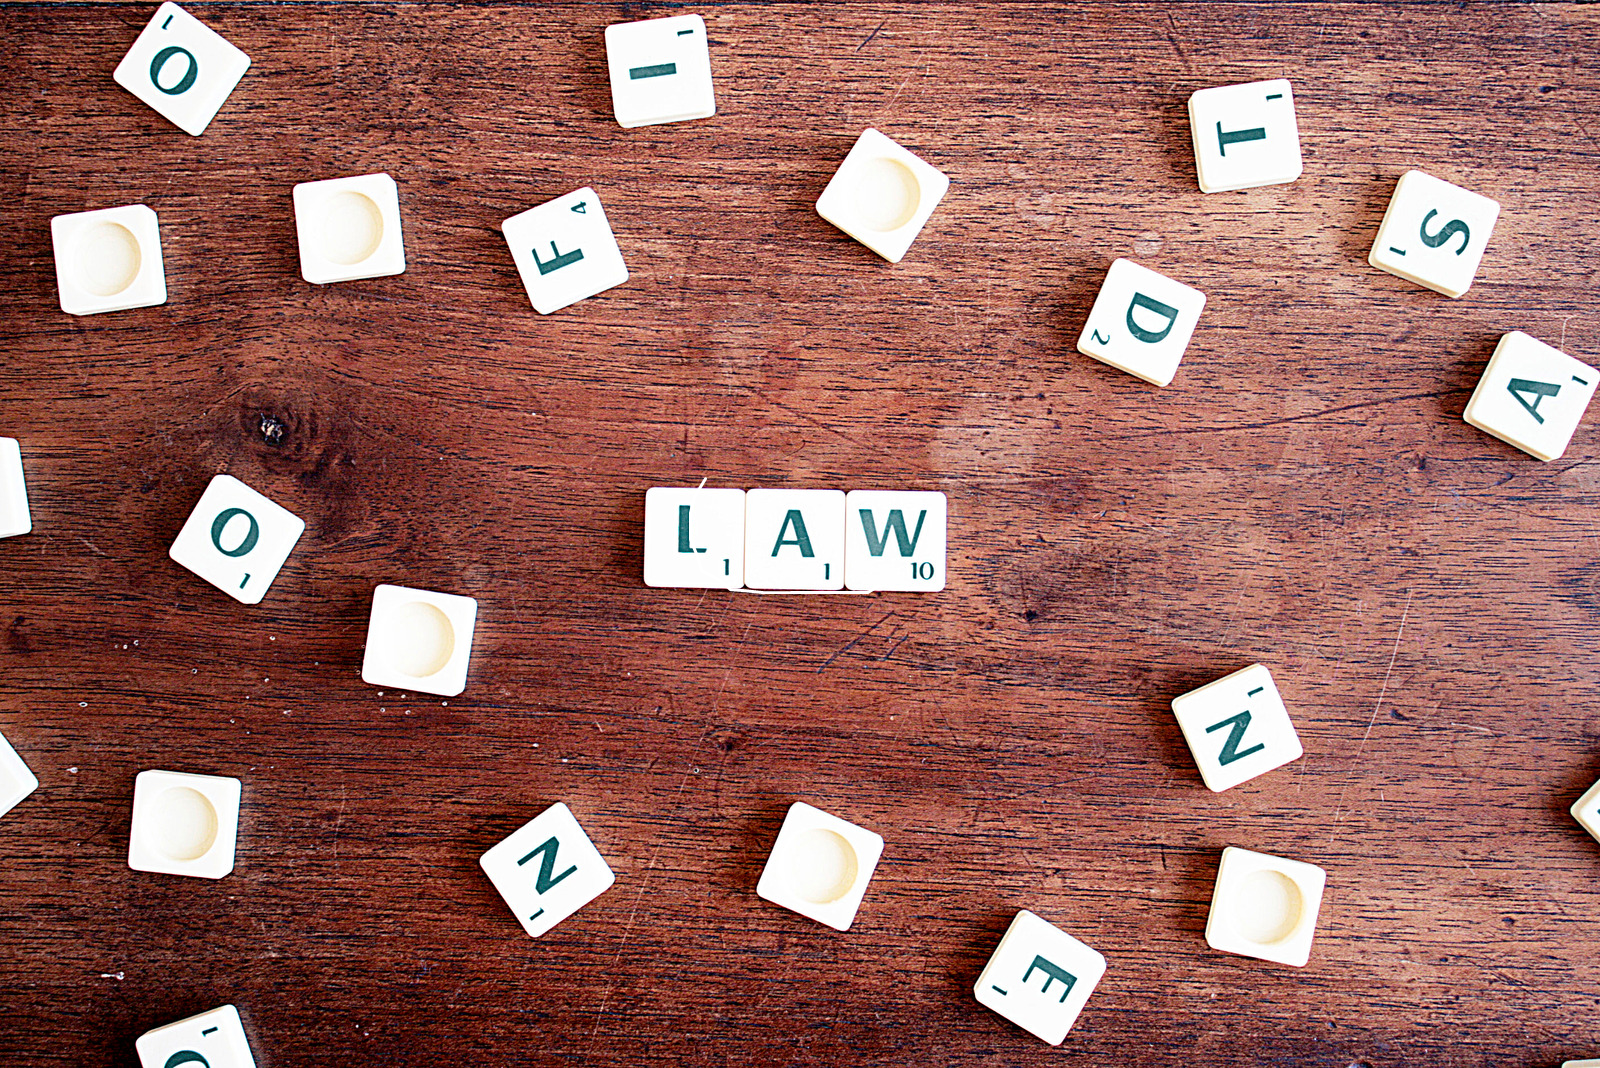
<point>565,251</point>
<point>236,539</point>
<point>547,869</point>
<point>794,539</point>
<point>1141,322</point>
<point>894,540</point>
<point>184,824</point>
<point>694,538</point>
<point>419,640</point>
<point>1265,906</point>
<point>349,228</point>
<point>882,195</point>
<point>1531,395</point>
<point>182,68</point>
<point>660,71</point>
<point>1586,810</point>
<point>820,866</point>
<point>16,780</point>
<point>1595,1063</point>
<point>1244,135</point>
<point>1039,977</point>
<point>15,518</point>
<point>1237,727</point>
<point>108,260</point>
<point>212,1039</point>
<point>1434,233</point>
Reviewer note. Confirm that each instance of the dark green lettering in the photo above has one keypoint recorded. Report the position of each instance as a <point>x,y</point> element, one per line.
<point>1230,748</point>
<point>220,524</point>
<point>1540,390</point>
<point>1233,137</point>
<point>185,83</point>
<point>1446,232</point>
<point>1051,972</point>
<point>1166,311</point>
<point>895,523</point>
<point>547,866</point>
<point>801,539</point>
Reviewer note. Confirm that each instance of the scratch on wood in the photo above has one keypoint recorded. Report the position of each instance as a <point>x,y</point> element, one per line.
<point>1405,613</point>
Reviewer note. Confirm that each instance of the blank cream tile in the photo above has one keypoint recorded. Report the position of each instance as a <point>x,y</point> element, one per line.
<point>894,540</point>
<point>182,68</point>
<point>17,781</point>
<point>1434,233</point>
<point>184,824</point>
<point>794,539</point>
<point>820,866</point>
<point>565,251</point>
<point>108,260</point>
<point>1040,977</point>
<point>349,228</point>
<point>419,640</point>
<point>1586,810</point>
<point>660,71</point>
<point>1594,1063</point>
<point>213,1039</point>
<point>694,537</point>
<point>1265,906</point>
<point>1532,395</point>
<point>15,518</point>
<point>1245,135</point>
<point>237,539</point>
<point>1237,727</point>
<point>547,869</point>
<point>1141,322</point>
<point>882,195</point>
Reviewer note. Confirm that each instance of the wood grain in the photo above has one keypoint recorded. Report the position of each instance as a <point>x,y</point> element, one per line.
<point>1305,494</point>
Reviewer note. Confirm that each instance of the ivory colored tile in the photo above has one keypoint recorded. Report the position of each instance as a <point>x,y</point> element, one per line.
<point>1532,395</point>
<point>182,68</point>
<point>15,518</point>
<point>894,540</point>
<point>820,866</point>
<point>419,640</point>
<point>108,260</point>
<point>1586,810</point>
<point>694,537</point>
<point>794,539</point>
<point>1434,233</point>
<point>1141,322</point>
<point>214,1039</point>
<point>184,824</point>
<point>565,251</point>
<point>547,869</point>
<point>237,539</point>
<point>17,781</point>
<point>349,228</point>
<point>1237,727</point>
<point>882,195</point>
<point>660,71</point>
<point>1265,906</point>
<point>1595,1063</point>
<point>1039,977</point>
<point>1245,135</point>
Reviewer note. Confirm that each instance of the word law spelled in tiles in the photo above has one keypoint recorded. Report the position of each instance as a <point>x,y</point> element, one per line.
<point>182,68</point>
<point>800,539</point>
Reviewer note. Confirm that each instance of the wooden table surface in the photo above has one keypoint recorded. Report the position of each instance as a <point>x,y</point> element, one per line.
<point>1305,494</point>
